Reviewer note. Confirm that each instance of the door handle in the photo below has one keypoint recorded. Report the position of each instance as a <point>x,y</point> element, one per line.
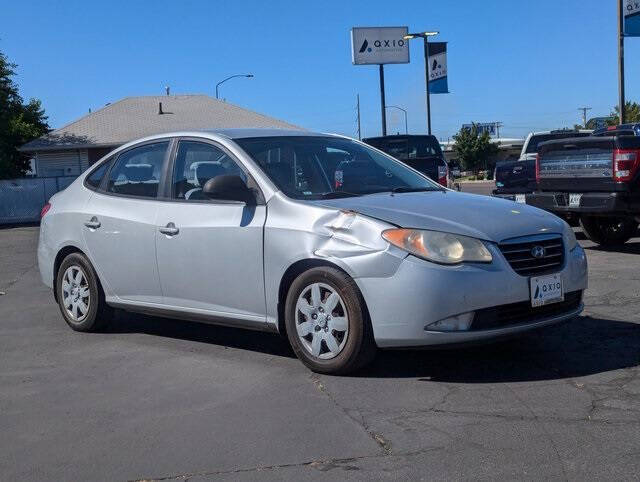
<point>170,229</point>
<point>93,223</point>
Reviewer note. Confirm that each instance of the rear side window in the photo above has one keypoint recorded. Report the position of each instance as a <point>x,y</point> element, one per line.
<point>95,178</point>
<point>137,171</point>
<point>532,147</point>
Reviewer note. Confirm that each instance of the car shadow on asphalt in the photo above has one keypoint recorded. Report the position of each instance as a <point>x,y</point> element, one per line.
<point>257,341</point>
<point>583,347</point>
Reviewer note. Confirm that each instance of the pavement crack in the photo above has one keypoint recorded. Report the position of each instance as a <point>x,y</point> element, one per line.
<point>378,438</point>
<point>10,283</point>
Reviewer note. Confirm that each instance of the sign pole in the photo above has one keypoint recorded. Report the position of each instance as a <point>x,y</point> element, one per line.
<point>426,73</point>
<point>382,101</point>
<point>621,102</point>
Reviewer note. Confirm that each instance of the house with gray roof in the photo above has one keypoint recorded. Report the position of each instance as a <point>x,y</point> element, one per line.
<point>69,150</point>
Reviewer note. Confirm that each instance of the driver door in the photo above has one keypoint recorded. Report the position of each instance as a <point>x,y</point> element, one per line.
<point>210,252</point>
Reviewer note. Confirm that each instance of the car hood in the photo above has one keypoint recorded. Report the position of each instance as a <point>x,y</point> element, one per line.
<point>482,217</point>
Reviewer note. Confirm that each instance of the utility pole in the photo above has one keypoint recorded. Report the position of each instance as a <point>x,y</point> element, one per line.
<point>621,103</point>
<point>358,109</point>
<point>584,115</point>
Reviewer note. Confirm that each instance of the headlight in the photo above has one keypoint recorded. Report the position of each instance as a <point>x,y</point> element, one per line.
<point>439,247</point>
<point>572,242</point>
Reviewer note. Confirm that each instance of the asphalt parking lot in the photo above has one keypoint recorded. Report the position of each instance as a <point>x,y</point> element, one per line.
<point>153,398</point>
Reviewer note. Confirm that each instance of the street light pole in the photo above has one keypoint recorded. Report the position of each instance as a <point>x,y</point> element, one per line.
<point>425,37</point>
<point>406,128</point>
<point>229,78</point>
<point>426,73</point>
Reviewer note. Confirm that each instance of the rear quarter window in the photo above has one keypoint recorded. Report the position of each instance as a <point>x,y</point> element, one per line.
<point>94,179</point>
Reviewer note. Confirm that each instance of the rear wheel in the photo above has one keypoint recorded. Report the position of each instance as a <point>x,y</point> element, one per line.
<point>80,297</point>
<point>327,322</point>
<point>609,231</point>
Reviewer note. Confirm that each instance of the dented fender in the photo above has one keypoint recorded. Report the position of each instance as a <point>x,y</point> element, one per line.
<point>296,231</point>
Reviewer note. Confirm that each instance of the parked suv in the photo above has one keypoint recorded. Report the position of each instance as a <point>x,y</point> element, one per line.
<point>595,179</point>
<point>516,179</point>
<point>251,228</point>
<point>421,152</point>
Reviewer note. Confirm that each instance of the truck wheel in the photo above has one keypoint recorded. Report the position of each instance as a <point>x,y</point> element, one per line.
<point>609,231</point>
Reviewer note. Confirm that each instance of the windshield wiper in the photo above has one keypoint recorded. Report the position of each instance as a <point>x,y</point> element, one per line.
<point>413,189</point>
<point>338,194</point>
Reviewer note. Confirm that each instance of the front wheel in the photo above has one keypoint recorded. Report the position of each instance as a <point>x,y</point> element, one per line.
<point>327,322</point>
<point>609,231</point>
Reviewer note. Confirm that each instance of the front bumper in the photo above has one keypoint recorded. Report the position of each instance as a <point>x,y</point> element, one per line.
<point>590,203</point>
<point>420,293</point>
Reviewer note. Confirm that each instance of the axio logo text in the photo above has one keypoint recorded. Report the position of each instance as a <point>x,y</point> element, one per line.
<point>381,44</point>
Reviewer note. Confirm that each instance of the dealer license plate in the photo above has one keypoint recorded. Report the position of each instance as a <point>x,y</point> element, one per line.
<point>546,290</point>
<point>574,200</point>
<point>521,198</point>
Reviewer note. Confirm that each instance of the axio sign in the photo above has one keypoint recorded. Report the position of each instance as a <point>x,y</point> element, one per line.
<point>631,18</point>
<point>379,45</point>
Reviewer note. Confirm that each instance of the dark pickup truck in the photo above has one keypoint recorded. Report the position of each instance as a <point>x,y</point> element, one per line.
<point>595,179</point>
<point>516,179</point>
<point>423,153</point>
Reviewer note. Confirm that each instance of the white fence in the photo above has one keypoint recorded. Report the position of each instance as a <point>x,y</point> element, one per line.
<point>22,199</point>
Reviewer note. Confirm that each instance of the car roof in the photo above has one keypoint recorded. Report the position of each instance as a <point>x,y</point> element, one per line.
<point>398,136</point>
<point>240,133</point>
<point>561,131</point>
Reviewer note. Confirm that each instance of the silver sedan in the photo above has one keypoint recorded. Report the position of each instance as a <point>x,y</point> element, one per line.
<point>319,237</point>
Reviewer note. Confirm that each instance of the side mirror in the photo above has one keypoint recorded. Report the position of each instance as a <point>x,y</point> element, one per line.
<point>228,188</point>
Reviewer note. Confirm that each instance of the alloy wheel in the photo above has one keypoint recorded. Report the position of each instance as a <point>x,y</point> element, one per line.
<point>322,322</point>
<point>76,296</point>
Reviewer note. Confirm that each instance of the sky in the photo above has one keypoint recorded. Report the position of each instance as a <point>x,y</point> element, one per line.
<point>529,65</point>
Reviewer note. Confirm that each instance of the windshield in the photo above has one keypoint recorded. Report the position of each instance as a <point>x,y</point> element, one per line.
<point>317,167</point>
<point>532,147</point>
<point>408,148</point>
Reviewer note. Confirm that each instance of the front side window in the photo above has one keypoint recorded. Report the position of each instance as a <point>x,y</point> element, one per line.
<point>137,171</point>
<point>196,163</point>
<point>317,167</point>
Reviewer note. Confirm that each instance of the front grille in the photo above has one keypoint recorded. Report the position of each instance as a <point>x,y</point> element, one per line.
<point>517,313</point>
<point>520,256</point>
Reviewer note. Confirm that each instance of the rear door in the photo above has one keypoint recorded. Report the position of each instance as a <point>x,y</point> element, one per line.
<point>120,225</point>
<point>210,252</point>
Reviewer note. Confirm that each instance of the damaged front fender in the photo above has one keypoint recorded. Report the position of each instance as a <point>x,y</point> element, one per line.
<point>346,239</point>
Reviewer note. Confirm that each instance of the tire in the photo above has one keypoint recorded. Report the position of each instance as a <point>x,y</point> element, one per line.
<point>355,344</point>
<point>97,313</point>
<point>609,231</point>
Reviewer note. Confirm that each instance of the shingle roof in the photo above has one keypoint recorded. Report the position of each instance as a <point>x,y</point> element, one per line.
<point>134,117</point>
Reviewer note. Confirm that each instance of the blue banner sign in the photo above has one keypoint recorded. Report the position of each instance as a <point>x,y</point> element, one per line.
<point>438,68</point>
<point>631,18</point>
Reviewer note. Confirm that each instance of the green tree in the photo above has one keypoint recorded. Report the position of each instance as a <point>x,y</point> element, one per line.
<point>631,113</point>
<point>20,123</point>
<point>475,150</point>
